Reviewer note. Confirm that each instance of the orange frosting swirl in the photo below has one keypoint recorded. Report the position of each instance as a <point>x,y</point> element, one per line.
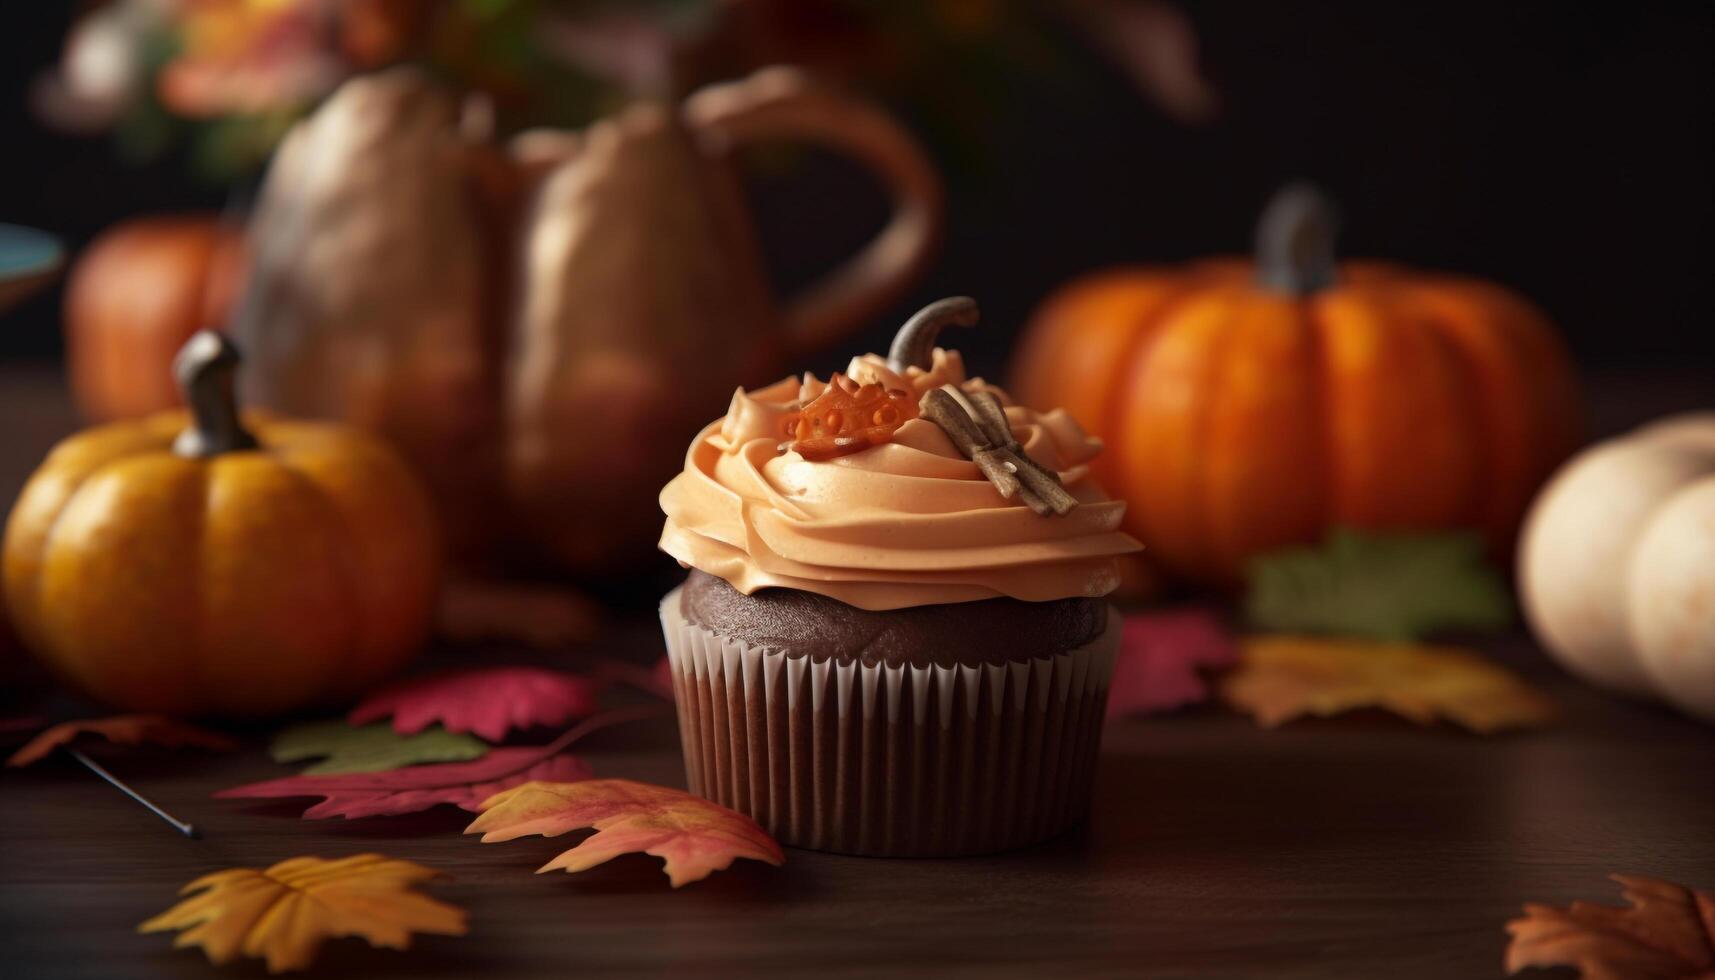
<point>907,523</point>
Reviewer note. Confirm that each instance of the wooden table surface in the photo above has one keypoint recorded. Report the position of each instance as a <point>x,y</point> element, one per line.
<point>1358,847</point>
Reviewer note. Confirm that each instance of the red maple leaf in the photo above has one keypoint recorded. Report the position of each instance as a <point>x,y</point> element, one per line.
<point>488,702</point>
<point>1160,654</point>
<point>414,788</point>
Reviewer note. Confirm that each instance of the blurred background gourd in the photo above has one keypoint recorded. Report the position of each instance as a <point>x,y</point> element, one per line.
<point>1616,566</point>
<point>541,328</point>
<point>1253,404</point>
<point>136,295</point>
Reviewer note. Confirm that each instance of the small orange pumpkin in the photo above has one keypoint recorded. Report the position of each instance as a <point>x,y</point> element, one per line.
<point>135,295</point>
<point>231,567</point>
<point>1249,405</point>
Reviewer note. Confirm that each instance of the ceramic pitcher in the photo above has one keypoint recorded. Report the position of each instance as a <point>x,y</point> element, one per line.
<point>543,327</point>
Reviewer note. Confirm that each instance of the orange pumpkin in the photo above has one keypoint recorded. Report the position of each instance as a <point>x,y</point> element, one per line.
<point>135,295</point>
<point>204,564</point>
<point>1249,405</point>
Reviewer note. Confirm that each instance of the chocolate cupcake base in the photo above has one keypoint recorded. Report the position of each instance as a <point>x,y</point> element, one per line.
<point>890,759</point>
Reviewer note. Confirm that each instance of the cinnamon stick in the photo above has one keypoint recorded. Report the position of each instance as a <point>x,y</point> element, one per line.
<point>984,436</point>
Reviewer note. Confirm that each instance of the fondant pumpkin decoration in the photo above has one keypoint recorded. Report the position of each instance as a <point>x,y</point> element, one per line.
<point>1616,566</point>
<point>136,294</point>
<point>540,330</point>
<point>213,564</point>
<point>1249,405</point>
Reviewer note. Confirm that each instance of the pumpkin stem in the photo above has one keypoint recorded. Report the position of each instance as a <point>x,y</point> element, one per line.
<point>1295,241</point>
<point>914,342</point>
<point>205,368</point>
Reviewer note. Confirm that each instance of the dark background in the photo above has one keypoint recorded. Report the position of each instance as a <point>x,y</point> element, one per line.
<point>1565,150</point>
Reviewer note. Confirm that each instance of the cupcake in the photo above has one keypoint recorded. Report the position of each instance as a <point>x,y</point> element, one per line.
<point>894,638</point>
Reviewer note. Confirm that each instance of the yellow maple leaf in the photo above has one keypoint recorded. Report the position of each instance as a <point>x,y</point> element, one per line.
<point>692,835</point>
<point>285,912</point>
<point>1280,678</point>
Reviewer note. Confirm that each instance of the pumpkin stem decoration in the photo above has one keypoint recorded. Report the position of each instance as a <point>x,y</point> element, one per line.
<point>914,342</point>
<point>977,425</point>
<point>1295,241</point>
<point>205,368</point>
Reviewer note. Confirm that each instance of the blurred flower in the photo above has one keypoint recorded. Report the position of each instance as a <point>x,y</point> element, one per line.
<point>212,58</point>
<point>238,57</point>
<point>103,69</point>
<point>235,73</point>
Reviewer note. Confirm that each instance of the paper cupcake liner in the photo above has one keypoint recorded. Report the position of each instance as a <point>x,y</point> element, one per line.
<point>890,760</point>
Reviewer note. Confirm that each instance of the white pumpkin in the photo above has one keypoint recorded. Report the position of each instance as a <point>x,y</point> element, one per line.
<point>1617,564</point>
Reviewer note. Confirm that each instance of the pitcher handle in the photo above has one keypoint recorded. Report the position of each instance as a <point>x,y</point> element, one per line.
<point>785,104</point>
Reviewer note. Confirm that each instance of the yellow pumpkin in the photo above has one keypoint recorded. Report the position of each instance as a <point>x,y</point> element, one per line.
<point>1617,564</point>
<point>1252,405</point>
<point>204,563</point>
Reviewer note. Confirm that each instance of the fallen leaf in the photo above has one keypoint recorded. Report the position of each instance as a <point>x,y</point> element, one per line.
<point>1667,934</point>
<point>371,748</point>
<point>1385,587</point>
<point>489,702</point>
<point>416,788</point>
<point>1280,678</point>
<point>125,730</point>
<point>1159,657</point>
<point>408,790</point>
<point>284,913</point>
<point>694,836</point>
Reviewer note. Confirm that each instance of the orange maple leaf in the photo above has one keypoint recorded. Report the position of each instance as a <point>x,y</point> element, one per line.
<point>694,837</point>
<point>1667,934</point>
<point>125,730</point>
<point>1280,678</point>
<point>283,914</point>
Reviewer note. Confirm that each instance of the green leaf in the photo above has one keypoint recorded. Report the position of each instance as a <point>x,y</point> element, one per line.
<point>1382,586</point>
<point>370,748</point>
